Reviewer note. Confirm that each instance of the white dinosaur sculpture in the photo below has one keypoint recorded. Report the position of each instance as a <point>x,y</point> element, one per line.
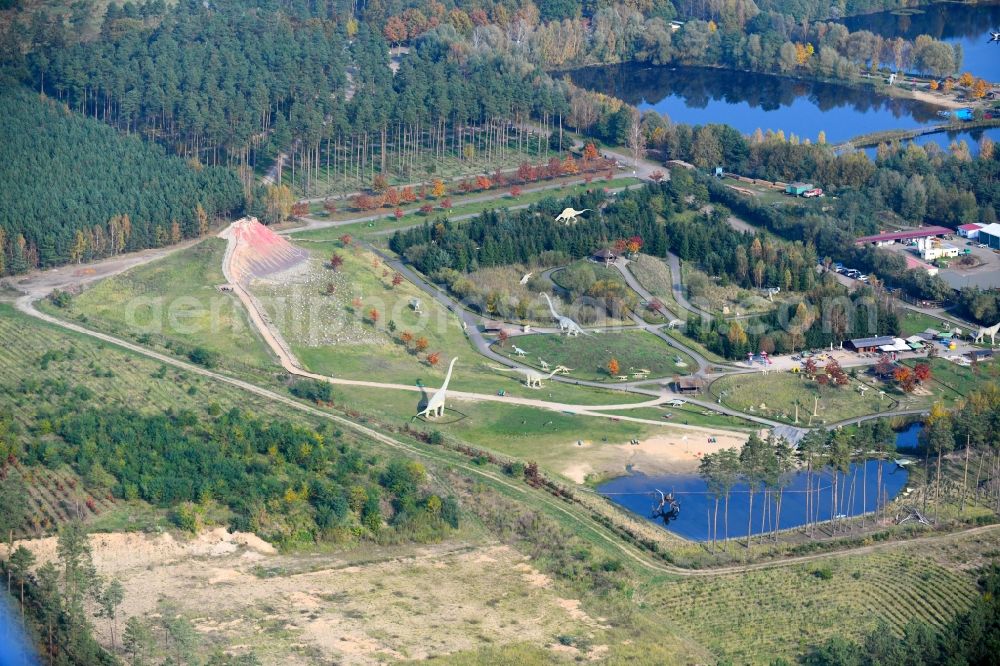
<point>545,366</point>
<point>563,370</point>
<point>518,351</point>
<point>526,277</point>
<point>532,378</point>
<point>566,325</point>
<point>990,331</point>
<point>435,406</point>
<point>569,214</point>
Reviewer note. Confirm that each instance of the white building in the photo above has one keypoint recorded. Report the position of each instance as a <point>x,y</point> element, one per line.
<point>969,230</point>
<point>931,249</point>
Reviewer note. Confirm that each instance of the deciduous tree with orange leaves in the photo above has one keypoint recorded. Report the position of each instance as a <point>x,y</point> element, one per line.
<point>406,338</point>
<point>373,315</point>
<point>397,280</point>
<point>590,152</point>
<point>421,344</point>
<point>433,358</point>
<point>613,367</point>
<point>437,191</point>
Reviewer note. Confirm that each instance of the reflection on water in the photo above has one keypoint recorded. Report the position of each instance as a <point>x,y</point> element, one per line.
<point>907,439</point>
<point>745,100</point>
<point>697,505</point>
<point>968,25</point>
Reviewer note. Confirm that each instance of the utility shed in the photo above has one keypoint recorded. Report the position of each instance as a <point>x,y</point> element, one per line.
<point>798,189</point>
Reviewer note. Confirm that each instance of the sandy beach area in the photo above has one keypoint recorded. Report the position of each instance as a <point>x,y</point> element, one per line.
<point>670,452</point>
<point>934,98</point>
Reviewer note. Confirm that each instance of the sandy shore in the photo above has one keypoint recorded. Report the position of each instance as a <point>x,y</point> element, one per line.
<point>671,452</point>
<point>934,98</point>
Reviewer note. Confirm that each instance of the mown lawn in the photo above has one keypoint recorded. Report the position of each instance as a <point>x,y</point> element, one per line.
<point>588,356</point>
<point>174,302</point>
<point>776,394</point>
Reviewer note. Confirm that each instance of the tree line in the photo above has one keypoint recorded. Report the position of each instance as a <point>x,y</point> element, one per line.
<point>76,190</point>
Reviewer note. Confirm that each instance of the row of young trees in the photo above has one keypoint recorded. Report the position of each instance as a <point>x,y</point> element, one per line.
<point>75,190</point>
<point>971,637</point>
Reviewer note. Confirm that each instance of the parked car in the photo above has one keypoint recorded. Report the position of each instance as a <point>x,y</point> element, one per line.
<point>863,278</point>
<point>981,246</point>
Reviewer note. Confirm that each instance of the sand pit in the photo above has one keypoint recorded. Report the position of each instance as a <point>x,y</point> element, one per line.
<point>257,252</point>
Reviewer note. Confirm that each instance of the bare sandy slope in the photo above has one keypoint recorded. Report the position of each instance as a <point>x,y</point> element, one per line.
<point>241,595</point>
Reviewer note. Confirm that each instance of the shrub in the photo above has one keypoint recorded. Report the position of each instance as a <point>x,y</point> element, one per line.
<point>312,389</point>
<point>204,357</point>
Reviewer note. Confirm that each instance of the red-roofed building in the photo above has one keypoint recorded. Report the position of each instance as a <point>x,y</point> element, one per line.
<point>969,230</point>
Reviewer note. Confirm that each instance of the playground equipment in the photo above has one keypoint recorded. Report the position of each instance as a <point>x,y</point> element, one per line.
<point>435,406</point>
<point>566,325</point>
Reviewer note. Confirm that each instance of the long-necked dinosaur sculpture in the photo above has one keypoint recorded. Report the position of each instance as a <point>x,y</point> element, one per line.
<point>566,325</point>
<point>435,406</point>
<point>532,378</point>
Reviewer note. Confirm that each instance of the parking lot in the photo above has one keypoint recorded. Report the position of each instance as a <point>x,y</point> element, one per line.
<point>985,273</point>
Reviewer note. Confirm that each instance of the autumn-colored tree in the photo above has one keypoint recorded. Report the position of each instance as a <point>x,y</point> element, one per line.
<point>634,244</point>
<point>947,85</point>
<point>398,213</point>
<point>483,183</point>
<point>657,176</point>
<point>394,31</point>
<point>590,151</point>
<point>966,79</point>
<point>515,191</point>
<point>427,209</point>
<point>933,85</point>
<point>366,202</point>
<point>346,240</point>
<point>979,89</point>
<point>336,261</point>
<point>421,344</point>
<point>836,373</point>
<point>810,367</point>
<point>905,378</point>
<point>620,245</point>
<point>380,183</point>
<point>466,186</point>
<point>613,367</point>
<point>922,372</point>
<point>502,337</point>
<point>392,197</point>
<point>300,208</point>
<point>433,358</point>
<point>446,203</point>
<point>406,338</point>
<point>397,280</point>
<point>373,315</point>
<point>408,195</point>
<point>526,173</point>
<point>438,190</point>
<point>202,218</point>
<point>654,305</point>
<point>569,166</point>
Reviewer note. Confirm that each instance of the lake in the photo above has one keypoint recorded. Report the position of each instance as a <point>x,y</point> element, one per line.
<point>956,23</point>
<point>746,101</point>
<point>944,139</point>
<point>696,503</point>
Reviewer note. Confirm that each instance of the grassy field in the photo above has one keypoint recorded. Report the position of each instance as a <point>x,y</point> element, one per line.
<point>173,302</point>
<point>710,294</point>
<point>776,394</point>
<point>688,415</point>
<point>912,322</point>
<point>951,382</point>
<point>412,215</point>
<point>588,355</point>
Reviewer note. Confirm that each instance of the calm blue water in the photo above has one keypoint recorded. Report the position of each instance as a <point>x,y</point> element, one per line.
<point>945,139</point>
<point>748,101</point>
<point>697,504</point>
<point>968,25</point>
<point>907,439</point>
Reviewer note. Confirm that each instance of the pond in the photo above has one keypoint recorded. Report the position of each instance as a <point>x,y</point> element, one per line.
<point>697,504</point>
<point>955,23</point>
<point>747,101</point>
<point>906,440</point>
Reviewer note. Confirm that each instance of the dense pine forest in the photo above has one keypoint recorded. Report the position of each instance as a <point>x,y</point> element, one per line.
<point>76,190</point>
